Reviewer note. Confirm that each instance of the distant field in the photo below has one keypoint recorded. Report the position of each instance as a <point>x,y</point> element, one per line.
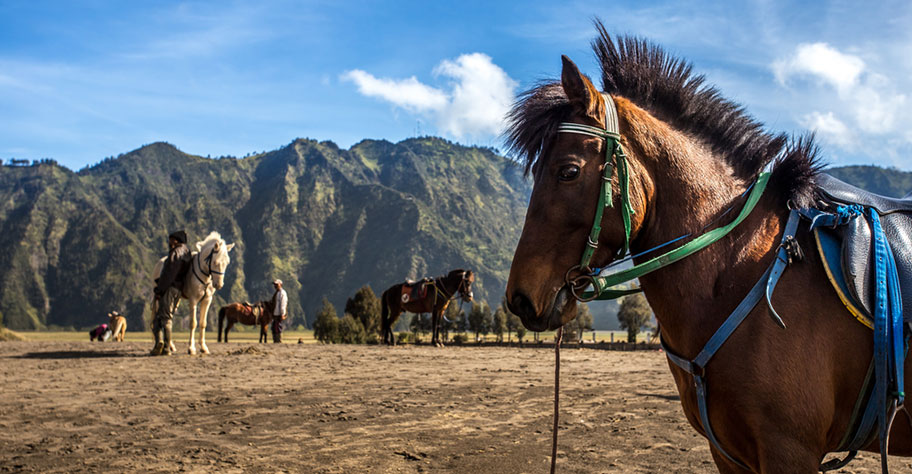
<point>291,337</point>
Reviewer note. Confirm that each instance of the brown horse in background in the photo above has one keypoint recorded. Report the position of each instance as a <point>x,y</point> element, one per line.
<point>778,399</point>
<point>440,291</point>
<point>257,314</point>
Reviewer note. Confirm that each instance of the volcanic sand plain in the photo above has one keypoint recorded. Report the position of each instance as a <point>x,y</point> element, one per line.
<point>108,407</point>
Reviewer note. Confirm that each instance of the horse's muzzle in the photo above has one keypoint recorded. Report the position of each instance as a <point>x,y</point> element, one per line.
<point>551,319</point>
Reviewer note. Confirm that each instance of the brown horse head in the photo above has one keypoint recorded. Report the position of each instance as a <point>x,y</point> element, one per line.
<point>465,278</point>
<point>567,180</point>
<point>689,152</point>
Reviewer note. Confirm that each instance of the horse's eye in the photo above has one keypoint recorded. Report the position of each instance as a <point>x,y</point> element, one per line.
<point>568,173</point>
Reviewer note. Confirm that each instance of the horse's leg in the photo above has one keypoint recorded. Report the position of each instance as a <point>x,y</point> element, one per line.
<point>228,328</point>
<point>192,348</point>
<point>435,326</point>
<point>204,314</point>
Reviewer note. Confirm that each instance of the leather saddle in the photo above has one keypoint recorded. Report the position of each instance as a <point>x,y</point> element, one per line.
<point>847,250</point>
<point>414,290</point>
<point>253,310</point>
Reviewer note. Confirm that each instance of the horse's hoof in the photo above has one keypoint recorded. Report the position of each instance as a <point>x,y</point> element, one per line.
<point>204,350</point>
<point>191,351</point>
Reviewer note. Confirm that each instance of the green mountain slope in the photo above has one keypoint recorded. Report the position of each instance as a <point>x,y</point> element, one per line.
<point>887,181</point>
<point>323,219</point>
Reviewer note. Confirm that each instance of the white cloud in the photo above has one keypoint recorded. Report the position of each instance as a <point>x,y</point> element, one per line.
<point>865,102</point>
<point>409,94</point>
<point>822,61</point>
<point>474,103</point>
<point>828,126</point>
<point>482,95</point>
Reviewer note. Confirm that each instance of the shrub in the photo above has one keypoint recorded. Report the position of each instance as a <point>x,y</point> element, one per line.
<point>326,327</point>
<point>365,307</point>
<point>460,339</point>
<point>351,331</point>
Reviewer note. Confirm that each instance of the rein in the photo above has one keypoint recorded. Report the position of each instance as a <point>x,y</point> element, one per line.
<point>557,344</point>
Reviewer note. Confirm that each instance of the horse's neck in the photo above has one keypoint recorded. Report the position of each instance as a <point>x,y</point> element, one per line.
<point>195,289</point>
<point>448,285</point>
<point>692,297</point>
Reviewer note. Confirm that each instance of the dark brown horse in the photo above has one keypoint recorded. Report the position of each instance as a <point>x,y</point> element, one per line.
<point>438,294</point>
<point>779,399</point>
<point>257,314</point>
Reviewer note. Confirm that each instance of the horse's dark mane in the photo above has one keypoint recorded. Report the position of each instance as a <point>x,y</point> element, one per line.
<point>665,86</point>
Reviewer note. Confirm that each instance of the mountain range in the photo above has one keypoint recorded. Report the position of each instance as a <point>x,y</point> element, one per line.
<point>325,220</point>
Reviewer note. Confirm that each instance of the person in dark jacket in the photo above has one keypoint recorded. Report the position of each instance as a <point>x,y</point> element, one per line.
<point>168,291</point>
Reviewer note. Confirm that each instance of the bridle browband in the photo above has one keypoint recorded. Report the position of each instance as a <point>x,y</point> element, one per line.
<point>581,276</point>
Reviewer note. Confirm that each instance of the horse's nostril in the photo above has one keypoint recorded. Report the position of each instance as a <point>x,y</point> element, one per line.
<point>521,306</point>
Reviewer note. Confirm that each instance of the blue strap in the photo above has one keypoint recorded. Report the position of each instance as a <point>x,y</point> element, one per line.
<point>782,260</point>
<point>888,331</point>
<point>765,285</point>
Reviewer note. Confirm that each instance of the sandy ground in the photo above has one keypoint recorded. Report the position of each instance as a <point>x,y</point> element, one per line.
<point>84,407</point>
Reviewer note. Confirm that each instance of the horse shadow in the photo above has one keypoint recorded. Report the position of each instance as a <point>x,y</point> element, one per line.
<point>62,355</point>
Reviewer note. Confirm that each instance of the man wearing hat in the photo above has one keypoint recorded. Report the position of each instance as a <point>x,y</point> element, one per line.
<point>280,305</point>
<point>168,290</point>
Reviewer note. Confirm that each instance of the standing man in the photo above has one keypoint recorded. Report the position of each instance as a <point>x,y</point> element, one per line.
<point>279,304</point>
<point>168,291</point>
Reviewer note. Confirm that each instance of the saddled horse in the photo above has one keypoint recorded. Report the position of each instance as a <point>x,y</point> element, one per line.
<point>206,275</point>
<point>437,295</point>
<point>257,314</point>
<point>658,154</point>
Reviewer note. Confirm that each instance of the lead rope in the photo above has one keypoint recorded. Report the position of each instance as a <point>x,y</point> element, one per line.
<point>560,335</point>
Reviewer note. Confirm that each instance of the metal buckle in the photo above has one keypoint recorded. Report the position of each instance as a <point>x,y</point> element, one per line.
<point>792,249</point>
<point>581,282</point>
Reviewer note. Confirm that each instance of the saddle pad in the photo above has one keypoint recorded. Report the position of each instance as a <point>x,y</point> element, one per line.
<point>829,244</point>
<point>414,291</point>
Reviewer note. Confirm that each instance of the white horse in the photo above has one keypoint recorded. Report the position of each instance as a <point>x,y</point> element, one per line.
<point>206,275</point>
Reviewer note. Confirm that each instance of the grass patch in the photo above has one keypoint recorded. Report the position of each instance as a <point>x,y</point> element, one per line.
<point>7,335</point>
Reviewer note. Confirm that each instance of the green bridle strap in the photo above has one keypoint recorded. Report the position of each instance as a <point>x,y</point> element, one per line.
<point>603,284</point>
<point>614,149</point>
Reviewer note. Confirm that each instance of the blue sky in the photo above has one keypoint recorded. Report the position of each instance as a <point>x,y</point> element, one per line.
<point>80,81</point>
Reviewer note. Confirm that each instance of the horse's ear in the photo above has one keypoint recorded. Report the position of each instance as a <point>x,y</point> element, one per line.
<point>580,90</point>
<point>229,247</point>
